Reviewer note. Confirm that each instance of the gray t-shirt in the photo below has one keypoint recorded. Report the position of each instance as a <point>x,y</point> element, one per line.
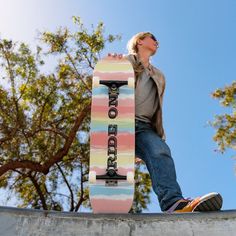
<point>146,99</point>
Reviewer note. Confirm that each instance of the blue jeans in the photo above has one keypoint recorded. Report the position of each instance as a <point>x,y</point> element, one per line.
<point>157,156</point>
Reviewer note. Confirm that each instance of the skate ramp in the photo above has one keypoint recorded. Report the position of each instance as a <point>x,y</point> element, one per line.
<point>23,222</point>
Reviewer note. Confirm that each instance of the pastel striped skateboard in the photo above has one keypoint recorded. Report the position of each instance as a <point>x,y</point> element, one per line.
<point>112,136</point>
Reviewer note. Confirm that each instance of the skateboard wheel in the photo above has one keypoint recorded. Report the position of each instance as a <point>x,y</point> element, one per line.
<point>131,82</point>
<point>130,177</point>
<point>92,177</point>
<point>96,81</point>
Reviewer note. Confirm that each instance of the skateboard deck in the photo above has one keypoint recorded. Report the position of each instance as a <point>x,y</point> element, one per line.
<point>112,136</point>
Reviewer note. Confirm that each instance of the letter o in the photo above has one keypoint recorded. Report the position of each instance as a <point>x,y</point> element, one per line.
<point>112,113</point>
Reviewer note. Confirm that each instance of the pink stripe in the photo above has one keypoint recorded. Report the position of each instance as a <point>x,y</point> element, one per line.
<point>113,75</point>
<point>111,206</point>
<point>111,59</point>
<point>126,115</point>
<point>124,140</point>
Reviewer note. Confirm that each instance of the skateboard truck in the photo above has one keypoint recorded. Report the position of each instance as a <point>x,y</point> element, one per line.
<point>113,85</point>
<point>111,177</point>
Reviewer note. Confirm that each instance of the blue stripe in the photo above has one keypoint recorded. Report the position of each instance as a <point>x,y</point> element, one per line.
<point>101,127</point>
<point>109,191</point>
<point>104,90</point>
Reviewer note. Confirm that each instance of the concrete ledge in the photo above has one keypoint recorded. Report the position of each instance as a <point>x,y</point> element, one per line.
<point>24,222</point>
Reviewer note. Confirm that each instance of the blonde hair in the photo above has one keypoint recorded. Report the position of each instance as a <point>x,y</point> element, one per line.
<point>132,43</point>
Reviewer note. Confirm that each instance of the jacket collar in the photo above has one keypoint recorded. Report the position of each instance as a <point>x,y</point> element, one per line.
<point>139,68</point>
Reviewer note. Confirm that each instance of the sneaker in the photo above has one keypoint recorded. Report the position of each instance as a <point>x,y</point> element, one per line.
<point>209,202</point>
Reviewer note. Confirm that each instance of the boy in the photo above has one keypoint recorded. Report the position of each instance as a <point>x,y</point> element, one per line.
<point>149,133</point>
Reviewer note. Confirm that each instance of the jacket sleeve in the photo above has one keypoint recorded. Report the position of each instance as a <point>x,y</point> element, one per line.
<point>163,89</point>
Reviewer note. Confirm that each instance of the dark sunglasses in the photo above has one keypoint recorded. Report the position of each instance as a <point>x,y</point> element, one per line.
<point>153,37</point>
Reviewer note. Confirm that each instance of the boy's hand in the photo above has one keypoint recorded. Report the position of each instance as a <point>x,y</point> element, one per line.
<point>115,55</point>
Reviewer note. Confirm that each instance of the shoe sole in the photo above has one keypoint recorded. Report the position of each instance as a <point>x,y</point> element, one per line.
<point>210,202</point>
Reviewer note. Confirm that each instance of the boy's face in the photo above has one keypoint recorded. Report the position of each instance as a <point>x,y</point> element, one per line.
<point>149,43</point>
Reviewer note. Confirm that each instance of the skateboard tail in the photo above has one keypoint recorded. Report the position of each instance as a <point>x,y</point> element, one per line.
<point>111,206</point>
<point>112,199</point>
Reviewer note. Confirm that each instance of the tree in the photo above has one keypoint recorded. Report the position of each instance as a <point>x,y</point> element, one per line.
<point>142,189</point>
<point>225,124</point>
<point>44,117</point>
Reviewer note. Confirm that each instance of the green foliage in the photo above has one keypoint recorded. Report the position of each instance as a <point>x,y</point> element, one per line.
<point>43,159</point>
<point>225,124</point>
<point>42,115</point>
<point>142,189</point>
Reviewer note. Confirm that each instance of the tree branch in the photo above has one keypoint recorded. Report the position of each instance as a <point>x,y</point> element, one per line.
<point>81,199</point>
<point>77,72</point>
<point>39,191</point>
<point>56,131</point>
<point>68,186</point>
<point>44,168</point>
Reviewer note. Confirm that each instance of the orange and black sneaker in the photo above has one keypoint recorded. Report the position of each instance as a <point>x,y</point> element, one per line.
<point>209,202</point>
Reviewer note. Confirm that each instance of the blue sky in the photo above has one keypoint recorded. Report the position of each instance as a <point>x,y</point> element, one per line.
<point>197,56</point>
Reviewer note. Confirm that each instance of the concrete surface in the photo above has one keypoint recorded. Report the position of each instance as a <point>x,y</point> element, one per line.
<point>24,222</point>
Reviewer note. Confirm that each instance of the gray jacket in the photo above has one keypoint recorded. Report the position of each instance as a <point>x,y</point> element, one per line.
<point>159,79</point>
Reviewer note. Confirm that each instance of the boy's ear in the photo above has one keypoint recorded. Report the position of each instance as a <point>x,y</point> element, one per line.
<point>139,42</point>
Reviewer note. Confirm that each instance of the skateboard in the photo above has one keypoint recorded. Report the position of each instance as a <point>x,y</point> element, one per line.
<point>112,136</point>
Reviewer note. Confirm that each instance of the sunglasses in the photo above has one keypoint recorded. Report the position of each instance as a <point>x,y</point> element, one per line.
<point>153,37</point>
